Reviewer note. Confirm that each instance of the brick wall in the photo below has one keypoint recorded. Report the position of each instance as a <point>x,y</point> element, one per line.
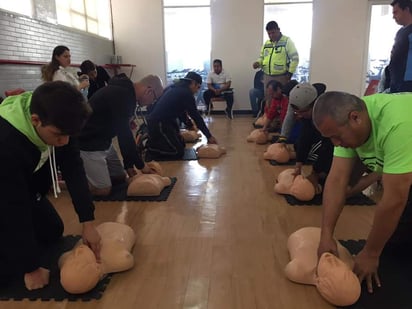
<point>26,39</point>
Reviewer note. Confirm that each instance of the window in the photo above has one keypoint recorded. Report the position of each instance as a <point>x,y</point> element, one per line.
<point>88,15</point>
<point>187,37</point>
<point>381,38</point>
<point>24,7</point>
<point>295,21</point>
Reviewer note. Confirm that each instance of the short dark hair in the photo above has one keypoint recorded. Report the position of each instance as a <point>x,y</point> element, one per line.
<point>60,104</point>
<point>403,4</point>
<point>87,66</point>
<point>336,105</point>
<point>272,25</point>
<point>274,84</point>
<point>217,61</point>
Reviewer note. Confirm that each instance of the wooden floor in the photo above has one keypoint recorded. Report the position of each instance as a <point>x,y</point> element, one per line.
<point>218,242</point>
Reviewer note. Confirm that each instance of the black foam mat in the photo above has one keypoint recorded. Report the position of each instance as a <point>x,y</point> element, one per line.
<point>189,155</point>
<point>119,193</point>
<point>359,199</point>
<point>17,291</point>
<point>395,273</point>
<point>290,162</point>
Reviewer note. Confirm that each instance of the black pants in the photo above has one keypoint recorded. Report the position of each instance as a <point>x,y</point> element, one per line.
<point>47,229</point>
<point>401,239</point>
<point>165,140</point>
<point>208,94</point>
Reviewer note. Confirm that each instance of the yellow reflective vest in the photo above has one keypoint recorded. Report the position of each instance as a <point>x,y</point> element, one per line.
<point>280,57</point>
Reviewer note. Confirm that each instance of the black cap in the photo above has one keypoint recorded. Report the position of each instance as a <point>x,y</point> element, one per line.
<point>193,76</point>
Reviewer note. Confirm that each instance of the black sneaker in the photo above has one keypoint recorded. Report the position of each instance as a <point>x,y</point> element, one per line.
<point>229,113</point>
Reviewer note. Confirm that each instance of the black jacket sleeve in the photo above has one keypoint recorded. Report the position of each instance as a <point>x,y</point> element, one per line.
<point>19,250</point>
<point>194,114</point>
<point>304,141</point>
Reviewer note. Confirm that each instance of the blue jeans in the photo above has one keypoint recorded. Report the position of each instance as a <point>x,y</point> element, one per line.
<point>255,96</point>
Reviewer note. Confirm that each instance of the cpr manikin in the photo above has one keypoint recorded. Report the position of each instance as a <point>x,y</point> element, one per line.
<point>258,136</point>
<point>148,184</point>
<point>332,276</point>
<point>298,186</point>
<point>279,152</point>
<point>210,151</point>
<point>79,270</point>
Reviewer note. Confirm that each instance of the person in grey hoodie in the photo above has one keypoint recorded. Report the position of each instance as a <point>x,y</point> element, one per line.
<point>35,135</point>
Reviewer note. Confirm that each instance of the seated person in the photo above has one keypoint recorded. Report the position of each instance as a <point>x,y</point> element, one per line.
<point>113,107</point>
<point>332,276</point>
<point>98,76</point>
<point>275,107</point>
<point>218,85</point>
<point>79,270</point>
<point>256,94</point>
<point>164,138</point>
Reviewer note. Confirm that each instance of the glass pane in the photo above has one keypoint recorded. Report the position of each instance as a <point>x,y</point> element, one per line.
<point>298,28</point>
<point>92,26</point>
<point>104,19</point>
<point>91,8</point>
<point>24,7</point>
<point>183,51</point>
<point>185,2</point>
<point>78,6</point>
<point>383,29</point>
<point>63,13</point>
<point>78,21</point>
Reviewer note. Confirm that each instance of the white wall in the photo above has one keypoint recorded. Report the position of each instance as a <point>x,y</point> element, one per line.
<point>138,35</point>
<point>339,40</point>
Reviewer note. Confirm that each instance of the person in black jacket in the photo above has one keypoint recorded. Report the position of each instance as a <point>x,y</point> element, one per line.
<point>113,108</point>
<point>35,130</point>
<point>312,146</point>
<point>98,76</point>
<point>163,123</point>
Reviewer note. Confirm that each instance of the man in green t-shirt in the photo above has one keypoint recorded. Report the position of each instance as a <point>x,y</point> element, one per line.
<point>378,130</point>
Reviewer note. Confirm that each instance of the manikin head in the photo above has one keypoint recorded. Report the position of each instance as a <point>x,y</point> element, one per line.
<point>278,152</point>
<point>258,136</point>
<point>298,186</point>
<point>147,185</point>
<point>79,271</point>
<point>332,276</point>
<point>210,151</point>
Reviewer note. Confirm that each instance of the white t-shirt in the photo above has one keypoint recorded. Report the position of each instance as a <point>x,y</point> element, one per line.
<point>217,80</point>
